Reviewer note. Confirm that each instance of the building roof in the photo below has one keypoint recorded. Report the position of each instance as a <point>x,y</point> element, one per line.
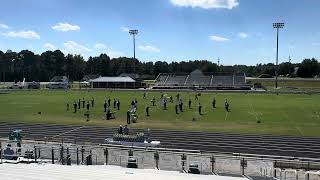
<point>132,75</point>
<point>54,171</point>
<point>113,79</point>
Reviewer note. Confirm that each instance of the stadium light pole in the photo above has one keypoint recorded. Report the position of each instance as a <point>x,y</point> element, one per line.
<point>277,26</point>
<point>134,32</point>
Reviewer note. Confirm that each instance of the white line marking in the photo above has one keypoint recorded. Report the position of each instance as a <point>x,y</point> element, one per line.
<point>252,112</point>
<point>301,133</point>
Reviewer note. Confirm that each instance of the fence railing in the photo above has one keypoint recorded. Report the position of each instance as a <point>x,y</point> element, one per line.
<point>161,158</point>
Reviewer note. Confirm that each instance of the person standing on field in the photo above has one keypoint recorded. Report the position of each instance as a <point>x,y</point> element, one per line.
<point>114,103</point>
<point>109,101</point>
<point>200,109</point>
<point>226,105</point>
<point>105,106</point>
<point>88,106</point>
<point>165,104</point>
<point>92,102</point>
<point>75,106</point>
<point>118,104</point>
<point>180,105</point>
<point>147,110</point>
<point>214,103</point>
<point>153,101</point>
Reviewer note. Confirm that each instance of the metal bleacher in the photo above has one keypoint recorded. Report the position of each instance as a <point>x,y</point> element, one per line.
<point>241,80</point>
<point>176,79</point>
<point>161,80</point>
<point>199,79</point>
<point>222,80</point>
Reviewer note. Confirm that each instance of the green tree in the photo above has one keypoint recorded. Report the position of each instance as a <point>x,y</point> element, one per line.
<point>285,68</point>
<point>309,68</point>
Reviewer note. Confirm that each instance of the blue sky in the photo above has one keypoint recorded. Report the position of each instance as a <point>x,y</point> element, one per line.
<point>237,31</point>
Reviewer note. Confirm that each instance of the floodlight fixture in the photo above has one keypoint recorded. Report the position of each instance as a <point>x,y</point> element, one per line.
<point>278,25</point>
<point>133,31</point>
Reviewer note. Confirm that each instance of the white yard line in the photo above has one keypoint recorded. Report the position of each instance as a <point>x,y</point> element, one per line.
<point>301,133</point>
<point>24,103</point>
<point>253,112</point>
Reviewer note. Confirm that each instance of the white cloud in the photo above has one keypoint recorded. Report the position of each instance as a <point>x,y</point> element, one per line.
<point>148,48</point>
<point>22,34</point>
<point>124,29</point>
<point>49,46</point>
<point>64,27</point>
<point>218,38</point>
<point>4,26</point>
<point>100,46</point>
<point>75,48</point>
<point>243,35</point>
<point>206,4</point>
<point>115,54</point>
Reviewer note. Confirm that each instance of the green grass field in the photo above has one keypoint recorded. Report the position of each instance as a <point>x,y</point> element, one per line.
<point>287,114</point>
<point>289,85</point>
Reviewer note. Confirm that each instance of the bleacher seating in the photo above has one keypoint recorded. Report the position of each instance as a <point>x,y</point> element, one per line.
<point>161,80</point>
<point>222,80</point>
<point>176,79</point>
<point>198,79</point>
<point>240,80</point>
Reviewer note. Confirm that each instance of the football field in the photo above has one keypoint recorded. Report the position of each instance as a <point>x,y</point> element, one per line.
<point>283,114</point>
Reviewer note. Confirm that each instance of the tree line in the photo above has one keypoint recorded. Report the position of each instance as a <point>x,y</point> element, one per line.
<point>14,66</point>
